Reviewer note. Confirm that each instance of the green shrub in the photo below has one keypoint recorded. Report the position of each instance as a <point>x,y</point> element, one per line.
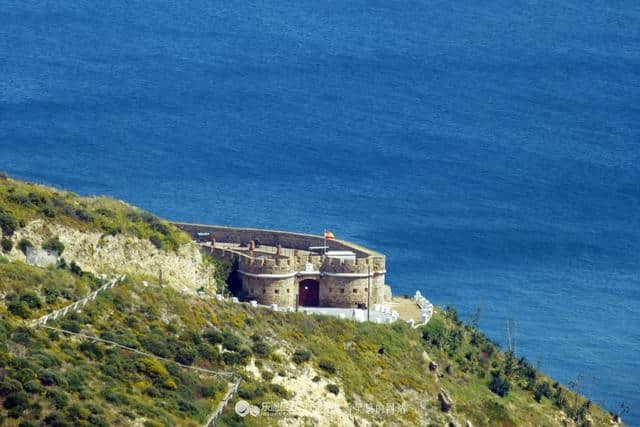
<point>280,390</point>
<point>250,391</point>
<point>48,212</point>
<point>211,390</point>
<point>91,349</point>
<point>151,391</point>
<point>208,352</point>
<point>9,386</point>
<point>32,387</point>
<point>17,403</point>
<point>542,390</point>
<point>23,335</point>
<point>560,398</point>
<point>7,244</point>
<point>212,335</point>
<point>232,358</point>
<point>156,344</point>
<point>186,355</point>
<point>32,299</point>
<point>499,384</point>
<point>51,378</point>
<point>155,241</point>
<point>114,397</point>
<point>57,419</point>
<point>23,244</point>
<point>77,412</point>
<point>54,245</point>
<point>332,388</point>
<point>24,375</point>
<point>267,375</point>
<point>8,223</point>
<point>435,332</point>
<point>19,308</point>
<point>300,356</point>
<point>75,268</point>
<point>70,325</point>
<point>327,365</point>
<point>231,341</point>
<point>261,349</point>
<point>454,340</point>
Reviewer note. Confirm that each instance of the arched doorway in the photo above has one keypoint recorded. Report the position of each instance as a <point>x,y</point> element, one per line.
<point>309,293</point>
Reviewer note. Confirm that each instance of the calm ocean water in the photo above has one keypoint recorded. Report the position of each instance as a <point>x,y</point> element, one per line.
<point>490,149</point>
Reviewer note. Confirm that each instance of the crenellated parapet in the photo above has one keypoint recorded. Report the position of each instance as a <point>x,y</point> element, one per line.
<point>266,265</point>
<point>373,265</point>
<point>277,266</point>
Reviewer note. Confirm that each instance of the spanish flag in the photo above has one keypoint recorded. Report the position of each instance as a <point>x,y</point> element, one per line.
<point>329,235</point>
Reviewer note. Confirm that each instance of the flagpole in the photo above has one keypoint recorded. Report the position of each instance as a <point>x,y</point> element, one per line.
<point>369,293</point>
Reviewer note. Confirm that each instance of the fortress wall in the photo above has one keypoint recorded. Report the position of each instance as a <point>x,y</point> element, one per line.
<point>271,238</point>
<point>271,291</point>
<point>335,291</point>
<point>349,292</point>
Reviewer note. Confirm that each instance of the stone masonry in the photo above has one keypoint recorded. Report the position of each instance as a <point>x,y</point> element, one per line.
<point>277,267</point>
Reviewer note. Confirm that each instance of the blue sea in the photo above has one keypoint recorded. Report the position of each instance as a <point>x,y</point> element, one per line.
<point>490,149</point>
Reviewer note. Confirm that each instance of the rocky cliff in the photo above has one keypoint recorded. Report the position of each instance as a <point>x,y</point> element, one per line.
<point>184,269</point>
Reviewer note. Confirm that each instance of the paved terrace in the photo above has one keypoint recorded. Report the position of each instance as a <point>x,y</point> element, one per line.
<point>417,311</point>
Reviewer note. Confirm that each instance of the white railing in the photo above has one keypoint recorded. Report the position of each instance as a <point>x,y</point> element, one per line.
<point>78,304</point>
<point>426,309</point>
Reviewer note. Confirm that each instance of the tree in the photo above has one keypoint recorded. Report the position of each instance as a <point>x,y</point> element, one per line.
<point>508,363</point>
<point>474,318</point>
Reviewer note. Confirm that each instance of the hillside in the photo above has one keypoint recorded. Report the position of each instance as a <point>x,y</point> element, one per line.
<point>99,234</point>
<point>297,369</point>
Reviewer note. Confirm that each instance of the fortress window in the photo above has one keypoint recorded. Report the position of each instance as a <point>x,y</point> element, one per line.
<point>355,291</point>
<point>264,291</point>
<point>342,291</point>
<point>330,290</point>
<point>288,291</point>
<point>277,291</point>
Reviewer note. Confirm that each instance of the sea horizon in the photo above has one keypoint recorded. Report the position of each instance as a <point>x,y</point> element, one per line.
<point>489,151</point>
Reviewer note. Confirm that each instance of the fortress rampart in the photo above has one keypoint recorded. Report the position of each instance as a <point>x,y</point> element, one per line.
<point>277,267</point>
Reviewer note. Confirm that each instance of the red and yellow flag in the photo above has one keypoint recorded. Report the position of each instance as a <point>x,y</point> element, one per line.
<point>329,235</point>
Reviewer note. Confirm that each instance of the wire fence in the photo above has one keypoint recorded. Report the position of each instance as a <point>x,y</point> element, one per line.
<point>135,350</point>
<point>42,323</point>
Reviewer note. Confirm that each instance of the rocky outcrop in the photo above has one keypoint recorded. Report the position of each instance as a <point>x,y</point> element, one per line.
<point>185,269</point>
<point>445,400</point>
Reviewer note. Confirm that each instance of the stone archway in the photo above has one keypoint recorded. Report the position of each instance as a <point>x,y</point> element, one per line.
<point>309,293</point>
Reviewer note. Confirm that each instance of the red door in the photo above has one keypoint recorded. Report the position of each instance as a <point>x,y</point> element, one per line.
<point>309,293</point>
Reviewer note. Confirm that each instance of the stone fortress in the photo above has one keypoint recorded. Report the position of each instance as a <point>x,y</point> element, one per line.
<point>293,269</point>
